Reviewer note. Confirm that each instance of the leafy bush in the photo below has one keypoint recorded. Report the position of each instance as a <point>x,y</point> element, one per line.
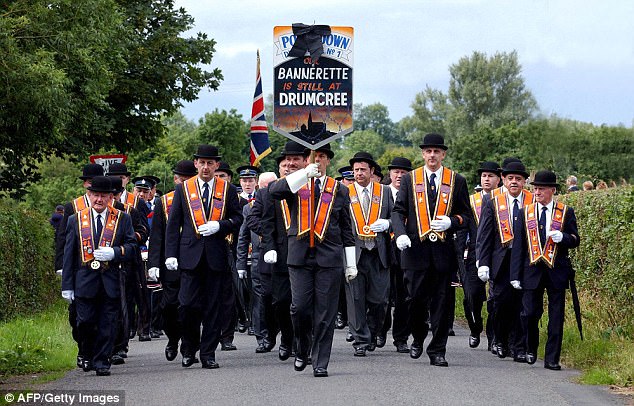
<point>26,261</point>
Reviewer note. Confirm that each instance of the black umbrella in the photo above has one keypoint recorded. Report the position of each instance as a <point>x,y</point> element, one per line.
<point>575,305</point>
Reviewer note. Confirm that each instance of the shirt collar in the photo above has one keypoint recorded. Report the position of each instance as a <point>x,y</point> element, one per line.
<point>201,183</point>
<point>549,206</point>
<point>104,214</point>
<point>438,172</point>
<point>360,188</point>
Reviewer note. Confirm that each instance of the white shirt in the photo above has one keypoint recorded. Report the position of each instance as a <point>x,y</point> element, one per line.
<point>245,195</point>
<point>510,202</point>
<point>322,180</point>
<point>360,192</point>
<point>438,173</point>
<point>201,184</point>
<point>104,216</point>
<point>549,214</point>
<point>394,191</point>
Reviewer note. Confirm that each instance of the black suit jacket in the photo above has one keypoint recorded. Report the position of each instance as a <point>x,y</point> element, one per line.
<point>329,252</point>
<point>156,251</point>
<point>267,220</point>
<point>182,241</point>
<point>441,253</point>
<point>491,252</point>
<point>85,281</point>
<point>530,275</point>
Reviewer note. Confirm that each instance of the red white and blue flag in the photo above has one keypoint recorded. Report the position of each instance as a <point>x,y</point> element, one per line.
<point>260,146</point>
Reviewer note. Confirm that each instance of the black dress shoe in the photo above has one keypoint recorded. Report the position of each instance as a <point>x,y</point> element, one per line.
<point>227,347</point>
<point>416,350</point>
<point>438,361</point>
<point>474,341</point>
<point>170,353</point>
<point>402,348</point>
<point>494,348</point>
<point>270,344</point>
<point>349,337</point>
<point>380,342</point>
<point>103,372</point>
<point>520,357</point>
<point>87,366</point>
<point>300,364</point>
<point>250,331</point>
<point>372,345</point>
<point>502,351</point>
<point>116,360</point>
<point>145,337</point>
<point>80,361</point>
<point>123,354</point>
<point>339,322</point>
<point>309,361</point>
<point>154,334</point>
<point>131,334</point>
<point>283,352</point>
<point>530,358</point>
<point>242,327</point>
<point>359,352</point>
<point>320,373</point>
<point>552,366</point>
<point>188,361</point>
<point>451,333</point>
<point>262,348</point>
<point>209,364</point>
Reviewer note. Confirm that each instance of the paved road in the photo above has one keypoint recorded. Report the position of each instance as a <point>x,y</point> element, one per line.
<point>474,377</point>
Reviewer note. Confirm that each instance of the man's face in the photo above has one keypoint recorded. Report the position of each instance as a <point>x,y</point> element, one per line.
<point>142,193</point>
<point>124,180</point>
<point>283,168</point>
<point>87,183</point>
<point>206,168</point>
<point>347,182</point>
<point>433,158</point>
<point>178,179</point>
<point>543,194</point>
<point>295,162</point>
<point>395,177</point>
<point>489,181</point>
<point>152,193</point>
<point>514,183</point>
<point>223,175</point>
<point>98,200</point>
<point>248,184</point>
<point>362,173</point>
<point>322,161</point>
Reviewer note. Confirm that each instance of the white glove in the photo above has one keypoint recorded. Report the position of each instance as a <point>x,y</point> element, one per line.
<point>351,263</point>
<point>171,264</point>
<point>270,257</point>
<point>442,223</point>
<point>68,295</point>
<point>242,273</point>
<point>380,225</point>
<point>556,236</point>
<point>483,273</point>
<point>516,284</point>
<point>153,273</point>
<point>144,255</point>
<point>403,242</point>
<point>312,171</point>
<point>58,272</point>
<point>209,228</point>
<point>104,254</point>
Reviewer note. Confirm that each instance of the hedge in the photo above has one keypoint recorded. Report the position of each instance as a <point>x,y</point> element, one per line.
<point>27,279</point>
<point>604,262</point>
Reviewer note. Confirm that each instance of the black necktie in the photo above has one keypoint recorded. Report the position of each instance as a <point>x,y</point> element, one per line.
<point>317,190</point>
<point>206,198</point>
<point>516,211</point>
<point>542,226</point>
<point>99,229</point>
<point>431,192</point>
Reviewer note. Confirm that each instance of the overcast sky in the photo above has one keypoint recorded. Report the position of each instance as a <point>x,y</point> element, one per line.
<point>577,56</point>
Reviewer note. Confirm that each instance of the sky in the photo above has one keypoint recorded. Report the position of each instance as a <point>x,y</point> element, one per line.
<point>577,56</point>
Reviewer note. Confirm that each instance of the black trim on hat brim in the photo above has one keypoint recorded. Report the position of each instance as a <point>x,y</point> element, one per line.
<point>119,173</point>
<point>441,146</point>
<point>524,174</point>
<point>546,184</point>
<point>98,190</point>
<point>498,172</point>
<point>217,157</point>
<point>372,163</point>
<point>407,168</point>
<point>184,174</point>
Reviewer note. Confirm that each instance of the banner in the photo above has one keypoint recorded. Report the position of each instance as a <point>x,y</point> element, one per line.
<point>106,160</point>
<point>313,94</point>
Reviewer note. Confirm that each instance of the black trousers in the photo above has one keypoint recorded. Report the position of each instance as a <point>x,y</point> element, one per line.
<point>315,291</point>
<point>474,297</point>
<point>200,297</point>
<point>97,322</point>
<point>507,304</point>
<point>169,311</point>
<point>428,295</point>
<point>229,306</point>
<point>122,337</point>
<point>532,310</point>
<point>281,300</point>
<point>72,320</point>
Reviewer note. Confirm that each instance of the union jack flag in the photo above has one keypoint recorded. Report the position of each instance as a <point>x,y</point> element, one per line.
<point>260,146</point>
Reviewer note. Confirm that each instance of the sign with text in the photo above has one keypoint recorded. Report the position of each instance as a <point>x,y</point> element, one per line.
<point>313,98</point>
<point>106,160</point>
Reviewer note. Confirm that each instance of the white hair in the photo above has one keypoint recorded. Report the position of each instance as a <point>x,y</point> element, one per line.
<point>266,178</point>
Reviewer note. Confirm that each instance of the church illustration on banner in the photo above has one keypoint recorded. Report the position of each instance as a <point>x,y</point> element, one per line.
<point>314,131</point>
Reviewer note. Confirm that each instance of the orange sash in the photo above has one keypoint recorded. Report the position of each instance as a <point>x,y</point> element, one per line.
<point>534,242</point>
<point>193,197</point>
<point>498,191</point>
<point>131,199</point>
<point>362,221</point>
<point>476,205</point>
<point>443,202</point>
<point>286,214</point>
<point>324,207</point>
<point>167,200</point>
<point>85,222</point>
<point>503,215</point>
<point>81,203</point>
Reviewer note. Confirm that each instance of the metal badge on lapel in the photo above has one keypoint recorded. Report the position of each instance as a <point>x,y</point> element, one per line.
<point>95,265</point>
<point>433,237</point>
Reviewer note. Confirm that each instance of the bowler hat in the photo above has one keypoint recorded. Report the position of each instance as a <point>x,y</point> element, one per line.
<point>489,166</point>
<point>248,171</point>
<point>346,172</point>
<point>117,169</point>
<point>325,149</point>
<point>515,167</point>
<point>400,163</point>
<point>294,148</point>
<point>207,152</point>
<point>101,184</point>
<point>117,184</point>
<point>224,167</point>
<point>545,178</point>
<point>91,170</point>
<point>377,172</point>
<point>363,156</point>
<point>185,168</point>
<point>508,160</point>
<point>433,140</point>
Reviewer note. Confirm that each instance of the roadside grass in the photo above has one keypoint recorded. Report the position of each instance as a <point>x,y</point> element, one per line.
<point>39,343</point>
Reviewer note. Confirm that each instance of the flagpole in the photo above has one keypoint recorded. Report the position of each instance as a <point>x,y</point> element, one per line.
<point>313,212</point>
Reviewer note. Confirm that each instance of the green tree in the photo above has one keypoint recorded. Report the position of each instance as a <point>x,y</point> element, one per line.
<point>226,130</point>
<point>376,117</point>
